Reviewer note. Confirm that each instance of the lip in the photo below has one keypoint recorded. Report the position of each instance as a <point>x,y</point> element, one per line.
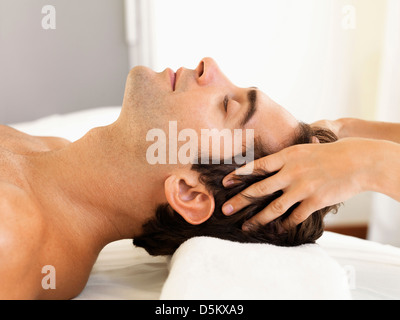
<point>172,77</point>
<point>178,76</point>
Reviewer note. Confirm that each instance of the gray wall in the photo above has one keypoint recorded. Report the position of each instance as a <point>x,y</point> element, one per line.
<point>82,64</point>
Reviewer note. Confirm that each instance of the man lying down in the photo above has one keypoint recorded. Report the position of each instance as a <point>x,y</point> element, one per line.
<point>61,203</point>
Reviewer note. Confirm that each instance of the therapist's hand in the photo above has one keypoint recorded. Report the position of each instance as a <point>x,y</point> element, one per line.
<point>317,175</point>
<point>333,125</point>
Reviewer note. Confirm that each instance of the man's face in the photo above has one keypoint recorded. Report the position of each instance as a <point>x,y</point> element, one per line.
<point>204,98</point>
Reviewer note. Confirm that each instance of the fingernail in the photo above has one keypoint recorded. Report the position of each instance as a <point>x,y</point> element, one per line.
<point>246,226</point>
<point>227,209</point>
<point>228,183</point>
<point>249,226</point>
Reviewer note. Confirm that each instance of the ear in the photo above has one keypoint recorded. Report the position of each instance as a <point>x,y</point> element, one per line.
<point>187,196</point>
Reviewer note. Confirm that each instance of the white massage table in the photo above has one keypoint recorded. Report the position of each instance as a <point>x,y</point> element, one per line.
<point>125,272</point>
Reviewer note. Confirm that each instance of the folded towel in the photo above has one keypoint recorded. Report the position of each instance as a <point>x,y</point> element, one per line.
<point>209,268</point>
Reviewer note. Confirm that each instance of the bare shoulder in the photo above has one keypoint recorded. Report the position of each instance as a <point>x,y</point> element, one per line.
<point>22,143</point>
<point>21,230</point>
<point>12,199</point>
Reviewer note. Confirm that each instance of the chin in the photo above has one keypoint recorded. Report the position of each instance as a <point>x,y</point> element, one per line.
<point>140,75</point>
<point>140,79</point>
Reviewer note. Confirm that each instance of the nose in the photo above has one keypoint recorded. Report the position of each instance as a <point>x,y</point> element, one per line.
<point>208,72</point>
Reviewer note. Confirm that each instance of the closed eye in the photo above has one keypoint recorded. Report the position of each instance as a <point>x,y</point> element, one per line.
<point>226,100</point>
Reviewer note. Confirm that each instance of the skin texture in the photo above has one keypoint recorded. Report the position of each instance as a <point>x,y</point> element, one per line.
<point>320,175</point>
<point>62,202</point>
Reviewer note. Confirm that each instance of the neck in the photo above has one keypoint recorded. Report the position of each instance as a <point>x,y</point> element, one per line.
<point>97,187</point>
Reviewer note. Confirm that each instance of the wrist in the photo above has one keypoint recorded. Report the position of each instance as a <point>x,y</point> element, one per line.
<point>382,167</point>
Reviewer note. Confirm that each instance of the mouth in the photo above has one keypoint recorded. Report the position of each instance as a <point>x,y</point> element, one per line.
<point>172,77</point>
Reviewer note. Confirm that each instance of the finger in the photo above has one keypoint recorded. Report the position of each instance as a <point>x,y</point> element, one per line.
<point>269,164</point>
<point>299,215</point>
<point>274,210</point>
<point>259,189</point>
<point>235,204</point>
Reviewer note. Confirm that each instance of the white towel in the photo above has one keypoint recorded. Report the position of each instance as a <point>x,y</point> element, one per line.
<point>214,269</point>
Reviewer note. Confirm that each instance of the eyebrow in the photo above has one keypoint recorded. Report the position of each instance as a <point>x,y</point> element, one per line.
<point>252,106</point>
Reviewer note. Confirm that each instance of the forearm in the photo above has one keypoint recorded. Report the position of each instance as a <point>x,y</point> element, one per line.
<point>383,172</point>
<point>349,127</point>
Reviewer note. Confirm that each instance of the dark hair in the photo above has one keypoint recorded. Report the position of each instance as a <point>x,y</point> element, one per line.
<point>163,234</point>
